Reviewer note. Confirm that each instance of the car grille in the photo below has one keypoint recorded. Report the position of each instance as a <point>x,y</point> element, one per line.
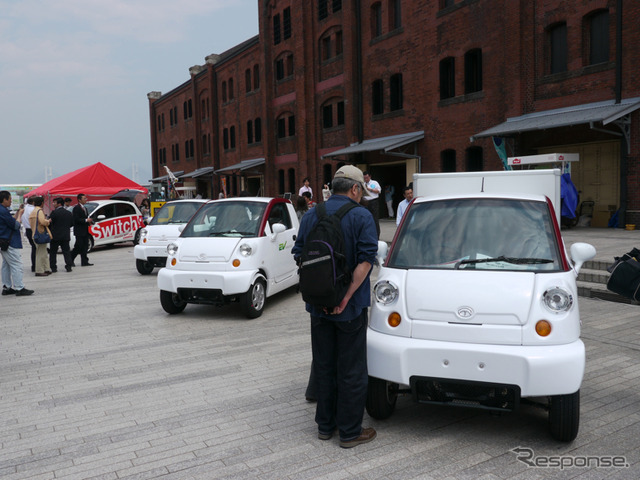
<point>462,393</point>
<point>208,296</point>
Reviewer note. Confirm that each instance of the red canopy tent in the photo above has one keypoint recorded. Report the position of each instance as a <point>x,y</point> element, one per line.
<point>94,181</point>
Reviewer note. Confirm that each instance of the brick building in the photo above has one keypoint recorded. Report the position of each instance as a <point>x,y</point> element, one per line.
<point>405,86</point>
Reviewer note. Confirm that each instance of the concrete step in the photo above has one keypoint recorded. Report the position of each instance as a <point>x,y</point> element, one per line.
<point>597,265</point>
<point>598,290</point>
<point>593,276</point>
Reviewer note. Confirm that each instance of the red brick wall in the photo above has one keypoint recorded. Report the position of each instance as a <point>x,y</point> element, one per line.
<point>510,33</point>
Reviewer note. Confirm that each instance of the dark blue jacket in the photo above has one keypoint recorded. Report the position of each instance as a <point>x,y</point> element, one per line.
<point>361,245</point>
<point>10,228</point>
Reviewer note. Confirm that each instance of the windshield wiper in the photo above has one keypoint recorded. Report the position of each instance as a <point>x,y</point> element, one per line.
<point>231,232</point>
<point>502,258</point>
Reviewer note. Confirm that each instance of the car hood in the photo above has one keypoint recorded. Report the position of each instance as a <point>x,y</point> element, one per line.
<point>472,297</point>
<point>203,250</point>
<point>164,232</point>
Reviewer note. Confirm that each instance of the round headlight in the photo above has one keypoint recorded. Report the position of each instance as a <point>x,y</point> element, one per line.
<point>144,232</point>
<point>385,292</point>
<point>172,248</point>
<point>245,250</point>
<point>557,299</point>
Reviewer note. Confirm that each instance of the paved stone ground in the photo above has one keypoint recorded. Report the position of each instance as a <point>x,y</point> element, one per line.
<point>96,381</point>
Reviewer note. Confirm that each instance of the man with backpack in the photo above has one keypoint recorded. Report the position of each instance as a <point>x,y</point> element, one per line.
<point>335,248</point>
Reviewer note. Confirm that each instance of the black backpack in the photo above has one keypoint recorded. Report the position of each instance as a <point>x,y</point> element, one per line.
<point>324,272</point>
<point>625,275</point>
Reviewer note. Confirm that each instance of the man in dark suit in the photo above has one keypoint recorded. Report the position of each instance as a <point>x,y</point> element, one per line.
<point>81,223</point>
<point>61,223</point>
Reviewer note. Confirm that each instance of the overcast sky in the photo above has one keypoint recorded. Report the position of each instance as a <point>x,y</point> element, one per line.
<point>74,77</point>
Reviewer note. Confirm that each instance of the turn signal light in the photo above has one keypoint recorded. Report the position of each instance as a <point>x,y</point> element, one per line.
<point>543,328</point>
<point>394,319</point>
<point>236,263</point>
<point>173,262</point>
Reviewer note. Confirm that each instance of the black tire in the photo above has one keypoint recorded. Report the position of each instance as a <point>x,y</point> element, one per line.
<point>136,237</point>
<point>171,303</point>
<point>381,398</point>
<point>252,302</point>
<point>91,243</point>
<point>564,416</point>
<point>144,267</point>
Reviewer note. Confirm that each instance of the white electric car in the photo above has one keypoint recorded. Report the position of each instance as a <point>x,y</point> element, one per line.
<point>232,250</point>
<point>164,228</point>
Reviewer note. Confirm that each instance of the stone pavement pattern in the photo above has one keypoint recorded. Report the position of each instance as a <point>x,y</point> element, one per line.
<point>97,381</point>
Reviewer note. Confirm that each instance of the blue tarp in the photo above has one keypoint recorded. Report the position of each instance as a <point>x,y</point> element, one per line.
<point>569,196</point>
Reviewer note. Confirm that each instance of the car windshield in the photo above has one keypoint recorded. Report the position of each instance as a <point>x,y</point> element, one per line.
<point>480,234</point>
<point>227,219</point>
<point>90,206</point>
<point>175,212</point>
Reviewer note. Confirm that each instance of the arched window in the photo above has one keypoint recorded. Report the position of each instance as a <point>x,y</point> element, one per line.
<point>447,78</point>
<point>292,180</point>
<point>247,80</point>
<point>395,92</point>
<point>475,162</point>
<point>558,53</point>
<point>473,71</point>
<point>448,160</point>
<point>598,27</point>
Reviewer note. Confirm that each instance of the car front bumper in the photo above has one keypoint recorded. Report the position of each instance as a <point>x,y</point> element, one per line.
<point>145,252</point>
<point>227,282</point>
<point>537,370</point>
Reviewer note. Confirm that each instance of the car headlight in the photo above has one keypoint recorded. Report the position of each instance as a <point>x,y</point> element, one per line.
<point>144,232</point>
<point>245,250</point>
<point>557,300</point>
<point>172,249</point>
<point>385,292</point>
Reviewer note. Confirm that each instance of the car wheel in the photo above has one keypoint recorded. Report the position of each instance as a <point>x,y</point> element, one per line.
<point>91,243</point>
<point>136,237</point>
<point>144,267</point>
<point>171,302</point>
<point>252,302</point>
<point>564,416</point>
<point>381,398</point>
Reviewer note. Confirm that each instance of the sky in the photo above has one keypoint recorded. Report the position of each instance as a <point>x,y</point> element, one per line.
<point>74,77</point>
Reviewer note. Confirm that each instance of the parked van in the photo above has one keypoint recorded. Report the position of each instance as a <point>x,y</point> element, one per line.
<point>476,302</point>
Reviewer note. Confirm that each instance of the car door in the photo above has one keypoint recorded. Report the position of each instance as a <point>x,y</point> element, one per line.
<point>279,257</point>
<point>103,228</point>
<point>126,221</point>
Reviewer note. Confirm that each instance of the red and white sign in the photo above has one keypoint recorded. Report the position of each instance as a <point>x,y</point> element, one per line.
<point>122,227</point>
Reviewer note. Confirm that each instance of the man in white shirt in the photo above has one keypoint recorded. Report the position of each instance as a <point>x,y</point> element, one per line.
<point>305,187</point>
<point>28,208</point>
<point>402,207</point>
<point>372,198</point>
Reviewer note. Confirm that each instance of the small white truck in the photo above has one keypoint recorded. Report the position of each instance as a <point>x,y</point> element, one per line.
<point>475,303</point>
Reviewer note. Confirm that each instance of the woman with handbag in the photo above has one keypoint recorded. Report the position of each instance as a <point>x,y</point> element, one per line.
<point>41,237</point>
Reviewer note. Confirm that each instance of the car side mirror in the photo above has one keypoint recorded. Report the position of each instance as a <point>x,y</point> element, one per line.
<point>277,228</point>
<point>181,228</point>
<point>383,249</point>
<point>580,253</point>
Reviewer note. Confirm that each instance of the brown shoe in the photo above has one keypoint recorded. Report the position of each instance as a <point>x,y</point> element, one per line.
<point>42,274</point>
<point>366,436</point>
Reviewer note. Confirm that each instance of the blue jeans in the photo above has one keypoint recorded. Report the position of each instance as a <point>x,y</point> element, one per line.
<point>12,268</point>
<point>340,370</point>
